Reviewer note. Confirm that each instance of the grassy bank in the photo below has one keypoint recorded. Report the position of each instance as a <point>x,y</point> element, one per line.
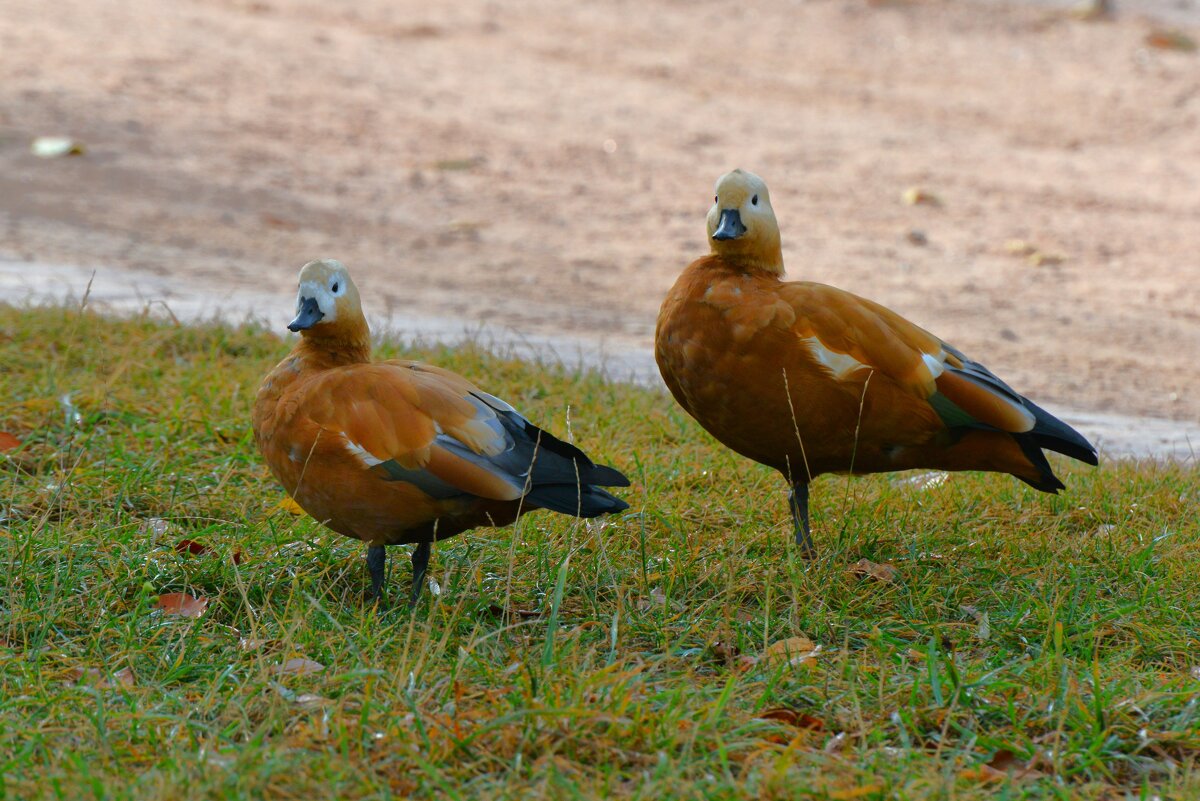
<point>1026,645</point>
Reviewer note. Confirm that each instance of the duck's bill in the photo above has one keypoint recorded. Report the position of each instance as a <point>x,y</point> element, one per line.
<point>310,314</point>
<point>729,226</point>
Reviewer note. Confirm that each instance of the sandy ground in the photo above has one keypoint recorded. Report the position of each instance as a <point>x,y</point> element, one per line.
<point>545,167</point>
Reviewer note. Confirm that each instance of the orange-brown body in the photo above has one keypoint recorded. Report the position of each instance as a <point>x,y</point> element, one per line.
<point>810,379</point>
<point>729,346</point>
<point>302,414</point>
<point>397,451</point>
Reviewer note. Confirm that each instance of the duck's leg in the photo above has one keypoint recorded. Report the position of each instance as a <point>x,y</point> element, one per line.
<point>377,567</point>
<point>798,503</point>
<point>420,562</point>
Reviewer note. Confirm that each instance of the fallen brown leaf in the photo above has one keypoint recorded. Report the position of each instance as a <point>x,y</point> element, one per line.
<point>1004,763</point>
<point>725,652</point>
<point>801,720</point>
<point>8,442</point>
<point>290,505</point>
<point>98,678</point>
<point>191,546</point>
<point>181,604</point>
<point>299,666</point>
<point>793,651</point>
<point>866,569</point>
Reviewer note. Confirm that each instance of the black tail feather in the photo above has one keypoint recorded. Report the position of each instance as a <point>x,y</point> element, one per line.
<point>560,476</point>
<point>1053,434</point>
<point>570,500</point>
<point>1047,481</point>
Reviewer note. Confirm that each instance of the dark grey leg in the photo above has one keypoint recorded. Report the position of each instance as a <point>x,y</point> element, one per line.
<point>377,567</point>
<point>798,502</point>
<point>420,562</point>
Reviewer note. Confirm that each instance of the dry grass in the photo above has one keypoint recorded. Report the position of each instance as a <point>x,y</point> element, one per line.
<point>1032,646</point>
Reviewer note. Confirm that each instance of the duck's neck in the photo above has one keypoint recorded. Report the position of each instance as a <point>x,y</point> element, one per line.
<point>763,255</point>
<point>345,343</point>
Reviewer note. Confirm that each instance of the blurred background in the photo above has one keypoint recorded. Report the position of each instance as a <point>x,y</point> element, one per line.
<point>1021,178</point>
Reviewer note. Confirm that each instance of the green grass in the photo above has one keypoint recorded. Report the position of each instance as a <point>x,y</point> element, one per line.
<point>562,659</point>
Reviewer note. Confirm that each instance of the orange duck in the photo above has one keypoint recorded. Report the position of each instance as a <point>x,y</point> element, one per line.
<point>808,379</point>
<point>399,451</point>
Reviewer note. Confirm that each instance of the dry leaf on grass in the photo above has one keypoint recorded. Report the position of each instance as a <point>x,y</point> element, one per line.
<point>98,678</point>
<point>251,643</point>
<point>497,611</point>
<point>730,655</point>
<point>657,599</point>
<point>299,666</point>
<point>181,604</point>
<point>303,700</point>
<point>725,651</point>
<point>866,569</point>
<point>290,505</point>
<point>792,651</point>
<point>197,548</point>
<point>308,701</point>
<point>191,546</point>
<point>8,442</point>
<point>156,526</point>
<point>801,720</point>
<point>1004,763</point>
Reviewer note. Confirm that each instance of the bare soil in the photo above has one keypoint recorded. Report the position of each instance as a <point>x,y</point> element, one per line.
<point>546,166</point>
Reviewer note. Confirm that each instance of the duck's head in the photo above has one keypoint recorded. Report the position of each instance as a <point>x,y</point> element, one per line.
<point>741,223</point>
<point>327,304</point>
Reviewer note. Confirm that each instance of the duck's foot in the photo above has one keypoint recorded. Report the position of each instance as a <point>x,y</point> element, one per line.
<point>377,567</point>
<point>420,563</point>
<point>798,503</point>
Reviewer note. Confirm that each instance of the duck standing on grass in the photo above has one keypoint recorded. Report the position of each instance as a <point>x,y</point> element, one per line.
<point>400,452</point>
<point>809,379</point>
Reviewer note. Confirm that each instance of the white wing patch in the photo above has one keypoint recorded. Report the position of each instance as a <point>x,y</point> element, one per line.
<point>362,453</point>
<point>840,364</point>
<point>935,364</point>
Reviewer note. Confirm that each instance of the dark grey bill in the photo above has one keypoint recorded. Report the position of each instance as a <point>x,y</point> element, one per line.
<point>730,225</point>
<point>310,314</point>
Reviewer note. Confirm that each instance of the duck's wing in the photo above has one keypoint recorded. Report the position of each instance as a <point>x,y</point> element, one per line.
<point>431,428</point>
<point>403,426</point>
<point>849,335</point>
<point>536,455</point>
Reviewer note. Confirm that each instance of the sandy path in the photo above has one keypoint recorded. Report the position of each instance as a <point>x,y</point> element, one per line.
<point>546,167</point>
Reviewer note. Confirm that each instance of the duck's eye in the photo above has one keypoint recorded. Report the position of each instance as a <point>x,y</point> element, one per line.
<point>754,200</point>
<point>335,287</point>
<point>716,199</point>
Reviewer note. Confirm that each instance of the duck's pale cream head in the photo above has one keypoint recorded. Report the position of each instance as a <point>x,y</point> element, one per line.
<point>741,223</point>
<point>327,299</point>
